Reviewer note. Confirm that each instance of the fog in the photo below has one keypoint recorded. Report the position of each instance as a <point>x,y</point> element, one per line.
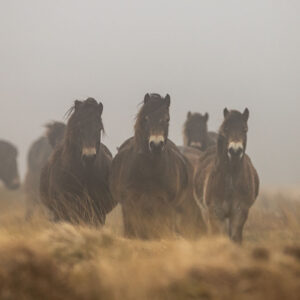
<point>206,54</point>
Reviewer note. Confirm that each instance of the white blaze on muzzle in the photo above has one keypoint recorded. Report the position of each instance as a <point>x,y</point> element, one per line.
<point>235,147</point>
<point>196,144</point>
<point>89,151</point>
<point>156,139</point>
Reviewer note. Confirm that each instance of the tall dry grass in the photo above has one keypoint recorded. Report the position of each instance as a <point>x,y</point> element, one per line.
<point>41,260</point>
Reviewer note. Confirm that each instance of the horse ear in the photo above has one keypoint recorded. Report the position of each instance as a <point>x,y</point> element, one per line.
<point>206,116</point>
<point>77,104</point>
<point>246,114</point>
<point>168,100</point>
<point>225,112</point>
<point>146,98</point>
<point>189,114</point>
<point>100,107</point>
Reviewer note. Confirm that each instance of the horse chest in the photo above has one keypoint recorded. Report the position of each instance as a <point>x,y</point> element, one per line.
<point>229,187</point>
<point>152,180</point>
<point>232,191</point>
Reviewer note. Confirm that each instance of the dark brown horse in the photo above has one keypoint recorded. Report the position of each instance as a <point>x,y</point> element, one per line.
<point>151,179</point>
<point>55,133</point>
<point>9,174</point>
<point>74,182</point>
<point>38,156</point>
<point>195,133</point>
<point>196,138</point>
<point>225,183</point>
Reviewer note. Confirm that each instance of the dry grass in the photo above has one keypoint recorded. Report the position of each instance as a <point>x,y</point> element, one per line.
<point>40,260</point>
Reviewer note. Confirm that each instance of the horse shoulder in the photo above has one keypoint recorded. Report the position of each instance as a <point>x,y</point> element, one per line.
<point>183,166</point>
<point>204,174</point>
<point>103,164</point>
<point>212,138</point>
<point>119,164</point>
<point>127,143</point>
<point>104,149</point>
<point>191,153</point>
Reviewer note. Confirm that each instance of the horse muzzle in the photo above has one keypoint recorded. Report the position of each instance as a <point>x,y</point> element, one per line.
<point>196,144</point>
<point>156,143</point>
<point>235,150</point>
<point>89,155</point>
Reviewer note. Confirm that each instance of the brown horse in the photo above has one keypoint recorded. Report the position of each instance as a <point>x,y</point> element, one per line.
<point>151,179</point>
<point>9,174</point>
<point>38,156</point>
<point>196,138</point>
<point>74,182</point>
<point>195,133</point>
<point>55,133</point>
<point>225,183</point>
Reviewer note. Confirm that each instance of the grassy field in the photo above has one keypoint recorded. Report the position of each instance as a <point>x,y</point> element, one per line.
<point>40,260</point>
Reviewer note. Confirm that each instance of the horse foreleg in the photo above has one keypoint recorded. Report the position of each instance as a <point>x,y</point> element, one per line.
<point>216,221</point>
<point>237,221</point>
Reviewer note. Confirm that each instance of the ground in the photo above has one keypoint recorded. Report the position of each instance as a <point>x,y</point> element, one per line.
<point>40,260</point>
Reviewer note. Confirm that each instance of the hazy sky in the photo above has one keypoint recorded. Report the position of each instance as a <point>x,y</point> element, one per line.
<point>205,54</point>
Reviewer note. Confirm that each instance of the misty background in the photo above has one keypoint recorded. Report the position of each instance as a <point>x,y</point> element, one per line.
<point>205,54</point>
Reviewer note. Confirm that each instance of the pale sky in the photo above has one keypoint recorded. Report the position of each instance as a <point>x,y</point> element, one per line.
<point>205,54</point>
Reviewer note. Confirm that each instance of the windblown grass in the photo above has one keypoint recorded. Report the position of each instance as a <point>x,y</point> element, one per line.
<point>41,260</point>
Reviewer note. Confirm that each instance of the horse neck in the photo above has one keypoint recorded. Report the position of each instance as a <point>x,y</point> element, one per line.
<point>141,145</point>
<point>71,150</point>
<point>205,141</point>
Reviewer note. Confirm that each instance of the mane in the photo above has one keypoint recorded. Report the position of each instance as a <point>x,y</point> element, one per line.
<point>154,104</point>
<point>88,108</point>
<point>234,115</point>
<point>84,113</point>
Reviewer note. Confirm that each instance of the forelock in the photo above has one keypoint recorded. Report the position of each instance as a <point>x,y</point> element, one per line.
<point>155,103</point>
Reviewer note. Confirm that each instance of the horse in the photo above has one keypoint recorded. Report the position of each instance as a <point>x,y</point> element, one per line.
<point>151,179</point>
<point>38,155</point>
<point>226,183</point>
<point>195,133</point>
<point>55,133</point>
<point>74,184</point>
<point>9,173</point>
<point>196,137</point>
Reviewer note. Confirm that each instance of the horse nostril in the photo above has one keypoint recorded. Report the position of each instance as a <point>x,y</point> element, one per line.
<point>89,159</point>
<point>235,151</point>
<point>156,146</point>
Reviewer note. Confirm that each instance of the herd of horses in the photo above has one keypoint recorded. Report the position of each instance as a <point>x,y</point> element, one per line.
<point>206,185</point>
